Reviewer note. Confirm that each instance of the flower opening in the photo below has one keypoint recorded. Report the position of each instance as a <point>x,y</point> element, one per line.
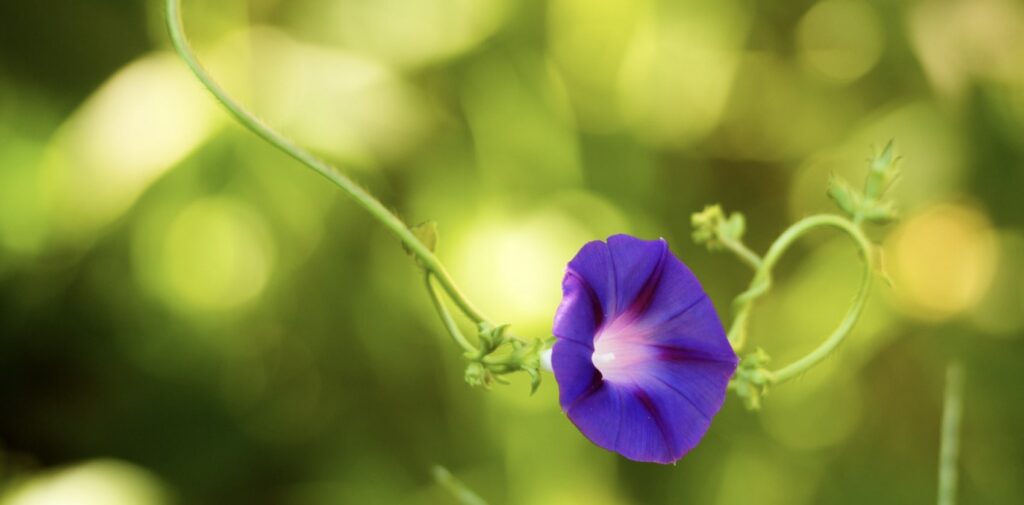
<point>641,358</point>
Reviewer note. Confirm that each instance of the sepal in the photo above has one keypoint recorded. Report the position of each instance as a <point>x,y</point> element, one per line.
<point>752,379</point>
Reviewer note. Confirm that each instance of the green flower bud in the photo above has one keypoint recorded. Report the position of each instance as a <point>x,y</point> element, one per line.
<point>752,378</point>
<point>883,173</point>
<point>843,194</point>
<point>712,227</point>
<point>478,375</point>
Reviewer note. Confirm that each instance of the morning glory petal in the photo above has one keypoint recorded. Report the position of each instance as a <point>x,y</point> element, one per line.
<point>580,313</point>
<point>574,371</point>
<point>641,358</point>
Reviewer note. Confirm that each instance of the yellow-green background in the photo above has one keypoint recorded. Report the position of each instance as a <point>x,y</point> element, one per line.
<point>188,316</point>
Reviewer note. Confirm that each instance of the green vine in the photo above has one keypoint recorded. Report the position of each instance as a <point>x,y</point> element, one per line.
<point>499,353</point>
<point>718,231</point>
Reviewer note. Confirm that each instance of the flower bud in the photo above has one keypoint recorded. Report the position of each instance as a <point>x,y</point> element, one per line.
<point>712,227</point>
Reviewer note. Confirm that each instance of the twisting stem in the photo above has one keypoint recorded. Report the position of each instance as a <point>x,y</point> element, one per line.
<point>427,259</point>
<point>446,317</point>
<point>762,283</point>
<point>949,450</point>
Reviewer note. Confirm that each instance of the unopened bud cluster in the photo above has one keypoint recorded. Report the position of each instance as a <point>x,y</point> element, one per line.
<point>713,228</point>
<point>868,205</point>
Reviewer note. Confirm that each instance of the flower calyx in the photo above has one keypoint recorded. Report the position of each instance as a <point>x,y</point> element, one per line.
<point>752,378</point>
<point>501,354</point>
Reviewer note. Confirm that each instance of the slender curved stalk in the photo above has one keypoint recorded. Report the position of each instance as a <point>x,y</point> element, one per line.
<point>949,451</point>
<point>762,283</point>
<point>446,317</point>
<point>426,258</point>
<point>748,257</point>
<point>456,488</point>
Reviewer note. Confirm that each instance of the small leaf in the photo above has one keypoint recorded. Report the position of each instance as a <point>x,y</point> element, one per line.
<point>884,159</point>
<point>534,379</point>
<point>734,227</point>
<point>426,232</point>
<point>492,336</point>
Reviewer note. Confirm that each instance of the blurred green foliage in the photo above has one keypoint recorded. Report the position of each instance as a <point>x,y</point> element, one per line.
<point>187,316</point>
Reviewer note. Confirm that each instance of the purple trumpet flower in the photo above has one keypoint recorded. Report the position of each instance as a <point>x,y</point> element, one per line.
<point>641,359</point>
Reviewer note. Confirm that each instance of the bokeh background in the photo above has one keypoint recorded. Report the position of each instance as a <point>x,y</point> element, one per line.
<point>187,316</point>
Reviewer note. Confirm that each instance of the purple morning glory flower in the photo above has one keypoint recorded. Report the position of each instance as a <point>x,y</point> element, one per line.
<point>641,359</point>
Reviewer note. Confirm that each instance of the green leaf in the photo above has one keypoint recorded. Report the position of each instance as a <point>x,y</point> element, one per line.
<point>735,227</point>
<point>534,379</point>
<point>426,232</point>
<point>492,336</point>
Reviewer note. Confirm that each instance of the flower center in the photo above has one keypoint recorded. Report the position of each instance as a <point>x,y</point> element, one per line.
<point>620,351</point>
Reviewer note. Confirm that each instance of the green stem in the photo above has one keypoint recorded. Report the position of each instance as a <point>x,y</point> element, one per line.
<point>427,258</point>
<point>949,451</point>
<point>446,317</point>
<point>458,490</point>
<point>762,283</point>
<point>748,257</point>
